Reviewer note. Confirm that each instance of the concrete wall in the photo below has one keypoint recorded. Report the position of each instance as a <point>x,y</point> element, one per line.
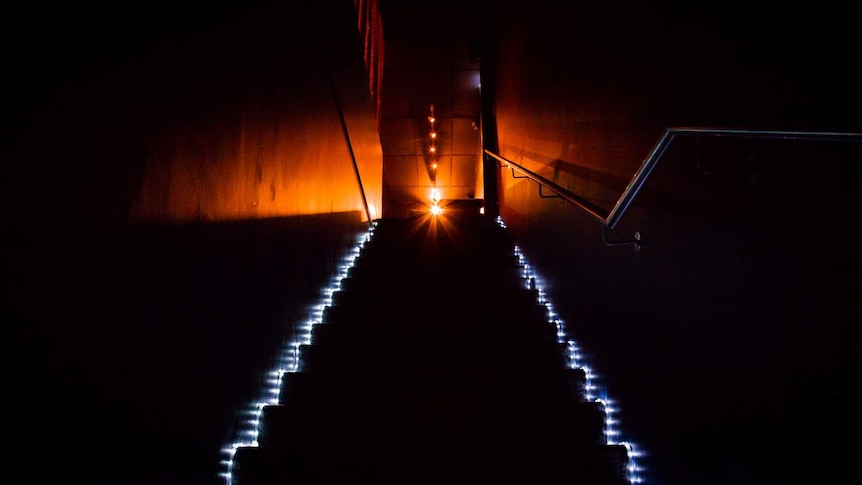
<point>259,131</point>
<point>201,111</point>
<point>735,329</point>
<point>429,62</point>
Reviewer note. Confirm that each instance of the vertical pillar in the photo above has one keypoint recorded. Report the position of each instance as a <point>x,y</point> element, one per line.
<point>489,130</point>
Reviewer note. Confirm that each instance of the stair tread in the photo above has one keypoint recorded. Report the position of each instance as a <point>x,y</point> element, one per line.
<point>433,363</point>
<point>451,463</point>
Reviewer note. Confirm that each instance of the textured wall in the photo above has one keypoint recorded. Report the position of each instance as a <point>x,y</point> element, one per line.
<point>429,62</point>
<point>186,112</point>
<point>252,127</point>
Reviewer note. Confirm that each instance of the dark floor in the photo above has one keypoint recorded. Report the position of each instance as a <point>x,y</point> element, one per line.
<point>435,364</point>
<point>129,351</point>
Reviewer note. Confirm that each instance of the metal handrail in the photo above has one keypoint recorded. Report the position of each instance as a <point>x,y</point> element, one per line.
<point>349,143</point>
<point>612,218</point>
<point>646,168</point>
<point>564,193</point>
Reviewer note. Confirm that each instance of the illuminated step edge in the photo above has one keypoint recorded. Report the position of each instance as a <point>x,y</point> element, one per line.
<point>533,281</point>
<point>287,362</point>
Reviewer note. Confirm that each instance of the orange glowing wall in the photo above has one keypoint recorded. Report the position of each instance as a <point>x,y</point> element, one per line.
<point>425,69</point>
<point>258,132</point>
<point>573,122</point>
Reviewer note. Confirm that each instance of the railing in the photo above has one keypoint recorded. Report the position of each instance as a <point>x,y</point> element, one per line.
<point>349,144</point>
<point>609,219</point>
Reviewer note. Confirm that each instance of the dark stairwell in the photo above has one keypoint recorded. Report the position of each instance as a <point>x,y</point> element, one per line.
<point>731,341</point>
<point>438,361</point>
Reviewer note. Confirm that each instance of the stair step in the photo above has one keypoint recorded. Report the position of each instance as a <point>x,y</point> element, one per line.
<point>509,308</point>
<point>352,329</point>
<point>334,358</point>
<point>365,277</point>
<point>434,364</point>
<point>307,388</point>
<point>440,421</point>
<point>410,317</point>
<point>381,288</point>
<point>456,463</point>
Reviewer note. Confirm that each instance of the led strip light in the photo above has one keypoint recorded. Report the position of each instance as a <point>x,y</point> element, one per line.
<point>576,361</point>
<point>288,362</point>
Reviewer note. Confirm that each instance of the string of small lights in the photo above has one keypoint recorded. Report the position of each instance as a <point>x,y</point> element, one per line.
<point>433,162</point>
<point>576,360</point>
<point>288,362</point>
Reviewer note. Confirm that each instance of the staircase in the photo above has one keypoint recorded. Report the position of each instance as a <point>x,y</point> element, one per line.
<point>435,363</point>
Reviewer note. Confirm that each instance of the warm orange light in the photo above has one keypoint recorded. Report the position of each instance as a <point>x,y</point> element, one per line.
<point>432,150</point>
<point>435,196</point>
<point>434,165</point>
<point>433,134</point>
<point>436,210</point>
<point>432,119</point>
